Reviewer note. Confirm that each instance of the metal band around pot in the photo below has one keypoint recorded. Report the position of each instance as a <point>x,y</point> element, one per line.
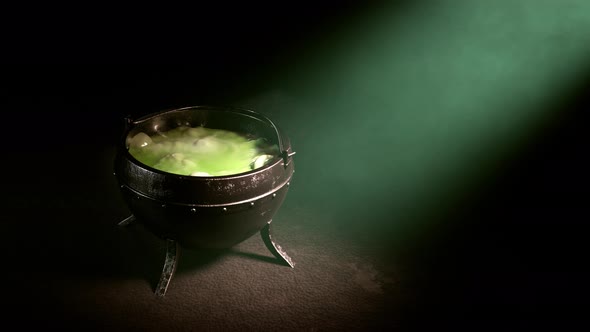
<point>251,200</point>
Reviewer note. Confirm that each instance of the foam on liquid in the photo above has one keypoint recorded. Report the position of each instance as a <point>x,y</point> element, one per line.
<point>201,151</point>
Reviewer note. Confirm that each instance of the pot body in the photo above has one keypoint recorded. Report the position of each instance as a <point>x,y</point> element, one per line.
<point>205,212</point>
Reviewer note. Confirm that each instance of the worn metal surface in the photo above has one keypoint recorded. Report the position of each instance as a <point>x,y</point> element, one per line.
<point>201,226</point>
<point>206,191</point>
<point>127,221</point>
<point>172,253</point>
<point>274,248</point>
<point>205,212</point>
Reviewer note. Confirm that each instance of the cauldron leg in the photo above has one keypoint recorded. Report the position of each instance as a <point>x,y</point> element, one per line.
<point>127,221</point>
<point>172,252</point>
<point>276,249</point>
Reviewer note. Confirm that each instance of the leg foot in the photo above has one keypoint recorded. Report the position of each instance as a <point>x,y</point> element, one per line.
<point>172,251</point>
<point>127,221</point>
<point>274,248</point>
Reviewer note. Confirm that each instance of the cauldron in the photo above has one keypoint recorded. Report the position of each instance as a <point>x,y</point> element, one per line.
<point>205,212</point>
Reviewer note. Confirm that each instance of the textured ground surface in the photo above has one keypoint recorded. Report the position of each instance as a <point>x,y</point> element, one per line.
<point>78,269</point>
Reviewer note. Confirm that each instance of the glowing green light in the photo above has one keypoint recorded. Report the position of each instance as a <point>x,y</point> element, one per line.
<point>402,109</point>
<point>200,151</point>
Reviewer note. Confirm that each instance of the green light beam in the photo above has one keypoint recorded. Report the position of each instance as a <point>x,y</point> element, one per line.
<point>401,110</point>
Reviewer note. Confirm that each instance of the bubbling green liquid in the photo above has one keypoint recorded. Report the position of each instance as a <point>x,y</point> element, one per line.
<point>201,151</point>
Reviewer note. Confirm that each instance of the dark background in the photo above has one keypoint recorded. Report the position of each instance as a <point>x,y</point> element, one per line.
<point>515,247</point>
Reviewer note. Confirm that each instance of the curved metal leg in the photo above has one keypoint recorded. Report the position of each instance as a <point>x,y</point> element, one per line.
<point>276,249</point>
<point>127,221</point>
<point>172,251</point>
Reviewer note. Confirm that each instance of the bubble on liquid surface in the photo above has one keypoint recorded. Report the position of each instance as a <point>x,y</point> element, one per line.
<point>201,151</point>
<point>140,140</point>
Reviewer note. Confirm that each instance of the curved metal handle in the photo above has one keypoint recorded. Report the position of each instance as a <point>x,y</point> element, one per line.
<point>285,155</point>
<point>276,129</point>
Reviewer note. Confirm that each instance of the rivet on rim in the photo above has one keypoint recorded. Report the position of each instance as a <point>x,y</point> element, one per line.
<point>251,203</point>
<point>224,209</point>
<point>274,195</point>
<point>193,210</point>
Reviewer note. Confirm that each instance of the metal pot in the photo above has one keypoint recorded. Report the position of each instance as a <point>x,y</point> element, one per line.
<point>206,212</point>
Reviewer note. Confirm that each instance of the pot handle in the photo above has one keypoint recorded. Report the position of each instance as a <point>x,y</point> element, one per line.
<point>286,155</point>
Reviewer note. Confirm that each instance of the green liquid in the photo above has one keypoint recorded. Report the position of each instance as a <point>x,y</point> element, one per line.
<point>201,151</point>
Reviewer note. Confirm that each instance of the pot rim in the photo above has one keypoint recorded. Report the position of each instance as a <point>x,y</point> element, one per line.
<point>283,155</point>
